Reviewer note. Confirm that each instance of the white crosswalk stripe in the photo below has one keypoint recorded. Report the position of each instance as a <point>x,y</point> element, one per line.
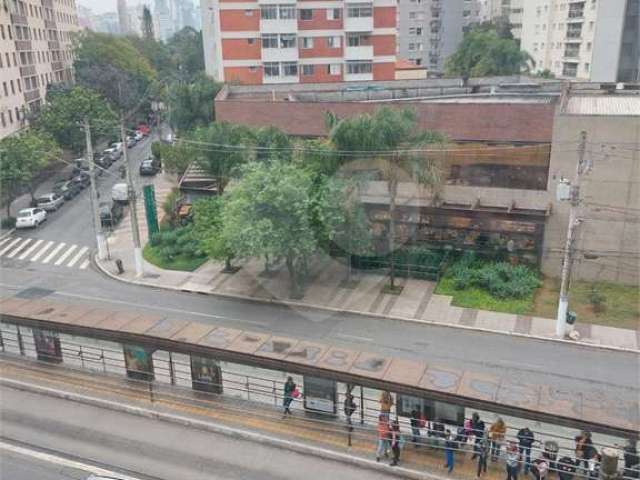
<point>41,252</point>
<point>19,248</point>
<point>79,255</point>
<point>5,240</point>
<point>65,255</point>
<point>10,246</point>
<point>54,253</point>
<point>84,265</point>
<point>28,251</point>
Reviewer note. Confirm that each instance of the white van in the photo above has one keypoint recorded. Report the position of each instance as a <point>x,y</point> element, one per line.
<point>120,193</point>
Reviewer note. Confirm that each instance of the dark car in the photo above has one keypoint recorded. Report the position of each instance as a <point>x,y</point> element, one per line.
<point>79,166</point>
<point>148,167</point>
<point>102,161</point>
<point>82,181</point>
<point>110,213</point>
<point>67,189</point>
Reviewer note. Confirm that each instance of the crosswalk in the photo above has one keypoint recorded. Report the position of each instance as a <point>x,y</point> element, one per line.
<point>58,254</point>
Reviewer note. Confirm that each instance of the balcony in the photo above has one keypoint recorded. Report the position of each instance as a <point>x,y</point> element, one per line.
<point>358,24</point>
<point>279,54</point>
<point>362,52</point>
<point>358,77</point>
<point>47,3</point>
<point>50,24</point>
<point>279,26</point>
<point>27,71</point>
<point>23,45</point>
<point>32,95</point>
<point>55,66</point>
<point>19,19</point>
<point>54,45</point>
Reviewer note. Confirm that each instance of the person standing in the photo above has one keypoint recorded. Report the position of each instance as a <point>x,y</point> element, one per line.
<point>449,447</point>
<point>513,458</point>
<point>525,442</point>
<point>386,403</point>
<point>396,443</point>
<point>497,432</point>
<point>289,389</point>
<point>415,427</point>
<point>349,407</point>
<point>584,449</point>
<point>383,437</point>
<point>482,453</point>
<point>477,428</point>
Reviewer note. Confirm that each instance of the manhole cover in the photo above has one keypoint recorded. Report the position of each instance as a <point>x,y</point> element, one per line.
<point>34,292</point>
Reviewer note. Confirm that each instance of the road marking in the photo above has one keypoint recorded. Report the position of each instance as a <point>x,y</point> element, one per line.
<point>54,253</point>
<point>20,247</point>
<point>84,265</point>
<point>8,247</point>
<point>30,249</point>
<point>75,259</point>
<point>354,337</point>
<point>5,240</point>
<point>42,250</point>
<point>64,462</point>
<point>65,255</point>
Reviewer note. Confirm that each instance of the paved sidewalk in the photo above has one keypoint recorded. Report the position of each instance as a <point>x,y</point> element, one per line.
<point>327,290</point>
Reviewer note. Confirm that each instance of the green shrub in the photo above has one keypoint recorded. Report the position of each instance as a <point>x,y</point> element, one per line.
<point>597,299</point>
<point>8,222</point>
<point>502,280</point>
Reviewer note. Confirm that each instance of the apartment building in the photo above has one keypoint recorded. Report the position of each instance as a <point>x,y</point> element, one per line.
<point>308,41</point>
<point>490,10</point>
<point>35,51</point>
<point>596,40</point>
<point>429,31</point>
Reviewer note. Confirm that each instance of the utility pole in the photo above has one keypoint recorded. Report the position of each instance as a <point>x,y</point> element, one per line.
<point>97,223</point>
<point>569,253</point>
<point>133,212</point>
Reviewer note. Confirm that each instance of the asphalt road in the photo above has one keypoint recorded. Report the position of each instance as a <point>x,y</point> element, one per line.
<point>142,447</point>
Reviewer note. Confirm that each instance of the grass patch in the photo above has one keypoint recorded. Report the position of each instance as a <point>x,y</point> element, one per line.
<point>180,262</point>
<point>478,298</point>
<point>621,305</point>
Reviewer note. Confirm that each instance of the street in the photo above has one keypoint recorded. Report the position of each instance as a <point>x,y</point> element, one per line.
<point>143,448</point>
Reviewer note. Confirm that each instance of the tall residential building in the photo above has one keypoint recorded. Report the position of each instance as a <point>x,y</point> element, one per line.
<point>35,52</point>
<point>593,40</point>
<point>123,17</point>
<point>429,31</point>
<point>163,20</point>
<point>260,41</point>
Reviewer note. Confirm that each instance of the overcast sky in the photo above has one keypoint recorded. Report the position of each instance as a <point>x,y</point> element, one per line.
<point>102,6</point>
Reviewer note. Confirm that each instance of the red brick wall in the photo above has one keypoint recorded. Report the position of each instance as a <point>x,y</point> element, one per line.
<point>320,75</point>
<point>383,44</point>
<point>319,21</point>
<point>384,17</point>
<point>243,75</point>
<point>384,71</point>
<point>240,49</point>
<point>238,21</point>
<point>481,121</point>
<point>320,49</point>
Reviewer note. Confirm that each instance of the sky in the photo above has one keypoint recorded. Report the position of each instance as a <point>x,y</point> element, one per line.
<point>102,6</point>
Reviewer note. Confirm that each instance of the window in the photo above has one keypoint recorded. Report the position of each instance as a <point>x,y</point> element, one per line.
<point>289,69</point>
<point>253,68</point>
<point>418,30</point>
<point>570,70</point>
<point>306,14</point>
<point>269,12</point>
<point>359,67</point>
<point>357,40</point>
<point>412,15</point>
<point>412,31</point>
<point>306,42</point>
<point>2,119</point>
<point>589,46</point>
<point>587,66</point>
<point>333,69</point>
<point>358,10</point>
<point>288,40</point>
<point>419,46</point>
<point>248,13</point>
<point>333,42</point>
<point>418,61</point>
<point>412,46</point>
<point>251,41</point>
<point>2,31</point>
<point>334,14</point>
<point>10,116</point>
<point>287,12</point>
<point>270,40</point>
<point>307,69</point>
<point>271,69</point>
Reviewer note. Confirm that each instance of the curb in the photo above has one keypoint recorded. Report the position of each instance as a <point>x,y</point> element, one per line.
<point>237,433</point>
<point>307,306</point>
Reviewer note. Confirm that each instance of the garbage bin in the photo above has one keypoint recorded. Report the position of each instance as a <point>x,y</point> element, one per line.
<point>571,317</point>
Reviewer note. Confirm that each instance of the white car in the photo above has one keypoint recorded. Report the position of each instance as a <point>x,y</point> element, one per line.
<point>30,217</point>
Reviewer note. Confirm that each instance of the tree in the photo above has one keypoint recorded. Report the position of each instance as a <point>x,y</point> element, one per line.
<point>147,24</point>
<point>23,157</point>
<point>192,103</point>
<point>66,110</point>
<point>271,144</point>
<point>393,139</point>
<point>207,226</point>
<point>187,51</point>
<point>484,53</point>
<point>268,214</point>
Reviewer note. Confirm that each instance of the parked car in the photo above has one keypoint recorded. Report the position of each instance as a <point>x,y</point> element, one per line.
<point>131,142</point>
<point>120,193</point>
<point>50,202</point>
<point>102,161</point>
<point>82,181</point>
<point>79,165</point>
<point>67,189</point>
<point>144,129</point>
<point>139,136</point>
<point>148,167</point>
<point>113,154</point>
<point>30,217</point>
<point>117,146</point>
<point>110,213</point>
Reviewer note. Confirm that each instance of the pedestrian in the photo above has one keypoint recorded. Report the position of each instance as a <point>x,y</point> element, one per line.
<point>449,447</point>
<point>477,428</point>
<point>383,437</point>
<point>497,432</point>
<point>525,442</point>
<point>289,389</point>
<point>386,402</point>
<point>415,427</point>
<point>482,452</point>
<point>396,443</point>
<point>349,406</point>
<point>513,458</point>
<point>585,450</point>
<point>468,429</point>
<point>631,460</point>
<point>540,468</point>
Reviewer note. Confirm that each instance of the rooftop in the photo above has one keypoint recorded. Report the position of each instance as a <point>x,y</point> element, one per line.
<point>612,104</point>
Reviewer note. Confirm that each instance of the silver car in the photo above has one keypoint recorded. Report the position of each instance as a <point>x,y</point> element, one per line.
<point>50,202</point>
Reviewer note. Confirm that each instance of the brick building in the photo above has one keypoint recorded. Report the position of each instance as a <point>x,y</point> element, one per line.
<point>282,41</point>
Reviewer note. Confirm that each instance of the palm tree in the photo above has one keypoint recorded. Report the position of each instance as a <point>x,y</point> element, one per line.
<point>391,135</point>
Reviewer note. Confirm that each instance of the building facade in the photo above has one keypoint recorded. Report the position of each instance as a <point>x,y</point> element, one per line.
<point>284,41</point>
<point>594,40</point>
<point>429,31</point>
<point>35,52</point>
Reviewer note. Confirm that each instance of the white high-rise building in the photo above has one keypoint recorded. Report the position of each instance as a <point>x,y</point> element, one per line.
<point>596,40</point>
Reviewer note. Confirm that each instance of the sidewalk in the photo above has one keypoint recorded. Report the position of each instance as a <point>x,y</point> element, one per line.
<point>301,432</point>
<point>327,290</point>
